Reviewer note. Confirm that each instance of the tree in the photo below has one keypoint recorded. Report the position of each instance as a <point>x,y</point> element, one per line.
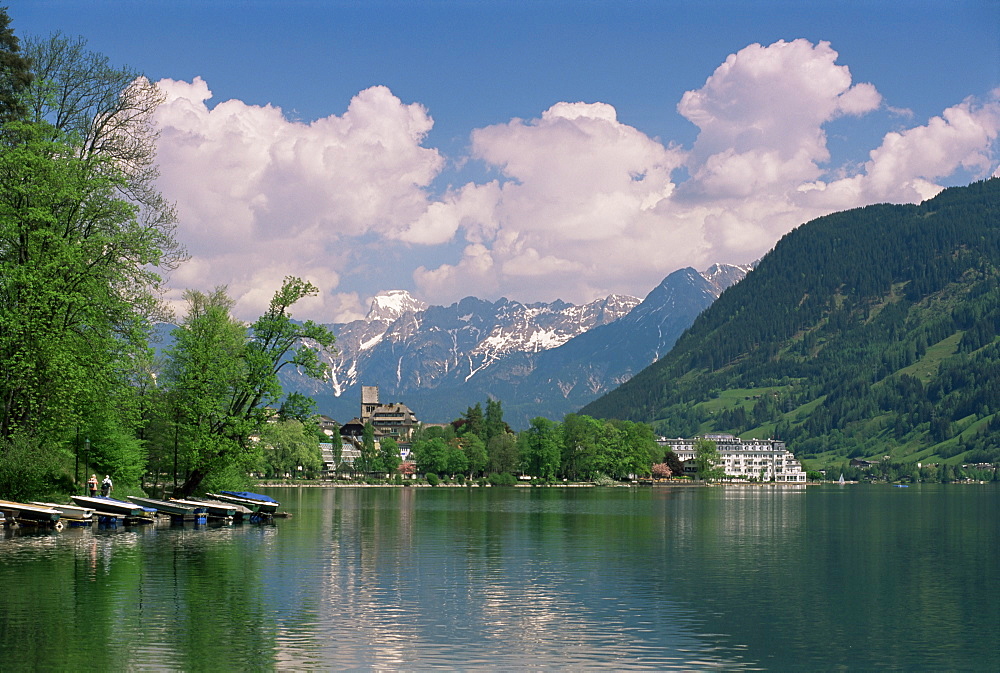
<point>299,407</point>
<point>540,449</point>
<point>245,373</point>
<point>368,460</point>
<point>641,447</point>
<point>336,447</point>
<point>493,422</point>
<point>612,453</point>
<point>580,439</point>
<point>287,446</point>
<point>108,111</point>
<point>389,458</point>
<point>204,370</point>
<point>474,422</point>
<point>82,232</point>
<point>431,455</point>
<point>15,72</point>
<point>502,452</point>
<point>674,463</point>
<point>661,471</point>
<point>457,462</point>
<point>475,453</point>
<point>706,458</point>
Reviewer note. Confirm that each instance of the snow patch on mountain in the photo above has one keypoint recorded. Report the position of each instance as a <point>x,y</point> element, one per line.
<point>390,305</point>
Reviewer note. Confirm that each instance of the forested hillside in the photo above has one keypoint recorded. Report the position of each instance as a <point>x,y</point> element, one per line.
<point>865,333</point>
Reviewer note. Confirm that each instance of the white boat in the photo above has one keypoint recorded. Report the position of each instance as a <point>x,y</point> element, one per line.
<point>69,511</point>
<point>216,508</point>
<point>20,510</point>
<point>102,503</point>
<point>171,507</point>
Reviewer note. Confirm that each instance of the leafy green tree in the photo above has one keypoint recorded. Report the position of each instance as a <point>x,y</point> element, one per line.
<point>288,445</point>
<point>457,462</point>
<point>612,452</point>
<point>541,449</point>
<point>299,407</point>
<point>641,447</point>
<point>223,409</point>
<point>389,458</point>
<point>503,453</point>
<point>475,454</point>
<point>368,458</point>
<point>337,447</point>
<point>707,459</point>
<point>108,112</point>
<point>581,435</point>
<point>431,455</point>
<point>204,370</point>
<point>28,470</point>
<point>82,231</point>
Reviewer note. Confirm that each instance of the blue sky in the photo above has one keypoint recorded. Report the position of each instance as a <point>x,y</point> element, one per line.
<point>536,150</point>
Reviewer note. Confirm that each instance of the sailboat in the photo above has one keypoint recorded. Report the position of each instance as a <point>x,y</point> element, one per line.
<point>841,482</point>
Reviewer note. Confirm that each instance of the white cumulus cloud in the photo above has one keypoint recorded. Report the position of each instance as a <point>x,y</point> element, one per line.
<point>261,197</point>
<point>577,203</point>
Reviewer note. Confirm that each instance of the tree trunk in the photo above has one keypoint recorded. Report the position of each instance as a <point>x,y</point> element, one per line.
<point>191,484</point>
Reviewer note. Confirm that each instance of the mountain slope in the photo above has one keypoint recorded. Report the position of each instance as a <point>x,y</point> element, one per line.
<point>865,333</point>
<point>566,378</point>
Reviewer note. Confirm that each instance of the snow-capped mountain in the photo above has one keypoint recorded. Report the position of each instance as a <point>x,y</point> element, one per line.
<point>539,359</point>
<point>387,306</point>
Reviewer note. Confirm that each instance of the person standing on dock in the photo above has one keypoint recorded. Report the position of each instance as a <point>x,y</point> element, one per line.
<point>92,485</point>
<point>106,486</point>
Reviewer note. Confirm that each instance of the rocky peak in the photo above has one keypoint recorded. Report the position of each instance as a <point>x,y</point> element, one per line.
<point>389,305</point>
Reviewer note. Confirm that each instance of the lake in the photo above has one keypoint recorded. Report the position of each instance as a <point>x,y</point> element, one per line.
<point>853,577</point>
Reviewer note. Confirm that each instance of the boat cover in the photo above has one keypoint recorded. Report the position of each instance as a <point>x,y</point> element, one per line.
<point>250,496</point>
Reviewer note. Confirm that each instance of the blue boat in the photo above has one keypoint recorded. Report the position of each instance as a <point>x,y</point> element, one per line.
<point>259,503</point>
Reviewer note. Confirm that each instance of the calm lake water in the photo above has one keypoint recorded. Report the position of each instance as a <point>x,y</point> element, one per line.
<point>819,578</point>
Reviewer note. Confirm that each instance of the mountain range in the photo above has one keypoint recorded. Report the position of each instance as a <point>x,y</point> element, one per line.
<point>539,359</point>
<point>870,333</point>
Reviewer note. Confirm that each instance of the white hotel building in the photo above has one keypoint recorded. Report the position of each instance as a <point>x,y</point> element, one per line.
<point>744,459</point>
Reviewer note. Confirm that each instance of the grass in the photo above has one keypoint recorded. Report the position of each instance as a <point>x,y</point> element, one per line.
<point>927,367</point>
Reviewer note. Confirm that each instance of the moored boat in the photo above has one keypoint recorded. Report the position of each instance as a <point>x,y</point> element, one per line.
<point>171,507</point>
<point>216,509</point>
<point>257,506</point>
<point>102,503</point>
<point>74,512</point>
<point>24,511</point>
<point>265,503</point>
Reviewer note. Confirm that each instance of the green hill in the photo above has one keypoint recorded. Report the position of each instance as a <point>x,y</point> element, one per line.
<point>866,333</point>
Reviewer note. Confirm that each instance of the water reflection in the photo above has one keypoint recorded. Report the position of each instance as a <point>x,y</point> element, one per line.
<point>479,579</point>
<point>682,578</point>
